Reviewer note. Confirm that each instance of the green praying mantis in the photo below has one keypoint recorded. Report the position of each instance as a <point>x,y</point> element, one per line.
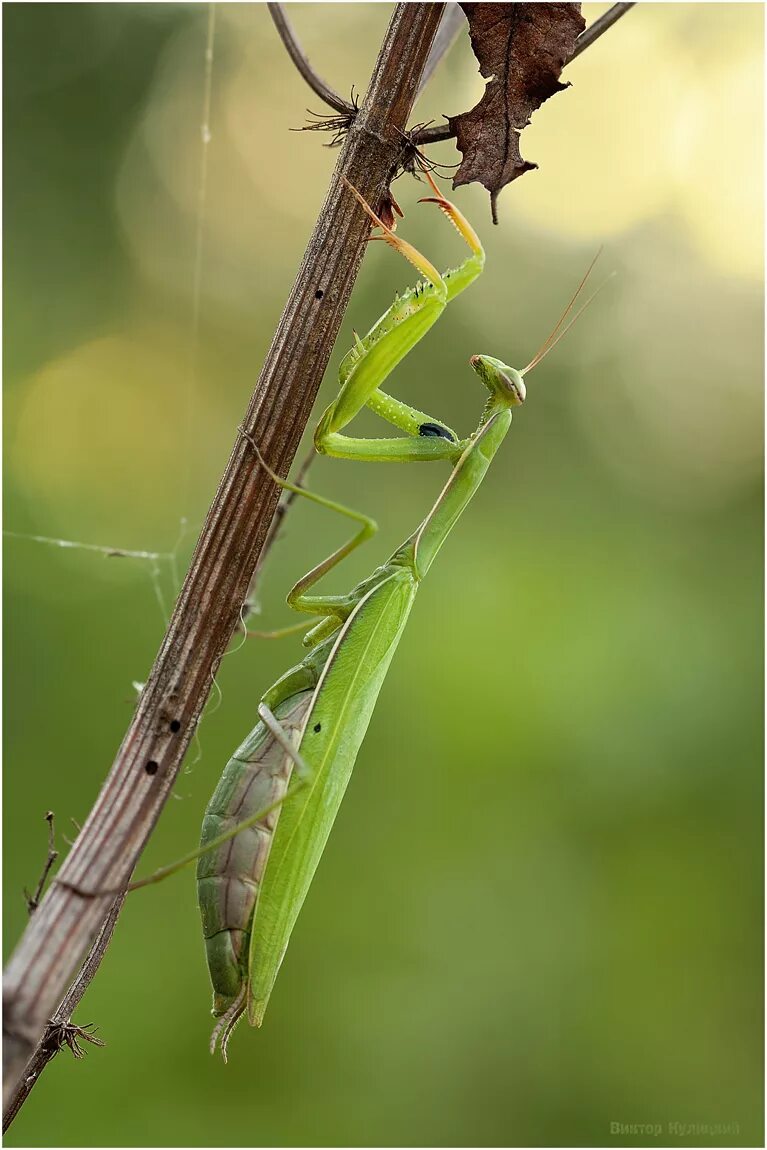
<point>269,819</point>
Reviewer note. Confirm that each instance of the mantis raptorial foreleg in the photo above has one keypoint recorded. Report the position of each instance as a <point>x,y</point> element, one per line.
<point>374,357</point>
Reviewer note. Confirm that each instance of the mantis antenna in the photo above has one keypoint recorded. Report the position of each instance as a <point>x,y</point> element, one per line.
<point>555,334</point>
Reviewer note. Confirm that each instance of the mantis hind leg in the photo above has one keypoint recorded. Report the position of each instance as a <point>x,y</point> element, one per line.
<point>280,632</point>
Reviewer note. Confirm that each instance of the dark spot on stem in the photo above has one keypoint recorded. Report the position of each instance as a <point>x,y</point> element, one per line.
<point>175,726</point>
<point>319,293</point>
<point>151,767</point>
<point>434,430</point>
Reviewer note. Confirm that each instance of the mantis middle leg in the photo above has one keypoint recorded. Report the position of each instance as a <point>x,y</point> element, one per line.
<point>334,609</point>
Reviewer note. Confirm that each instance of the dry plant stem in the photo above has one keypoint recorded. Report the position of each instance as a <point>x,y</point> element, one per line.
<point>208,607</point>
<point>48,1047</point>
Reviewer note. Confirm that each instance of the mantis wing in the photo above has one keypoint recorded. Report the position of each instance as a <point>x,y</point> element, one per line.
<point>334,729</point>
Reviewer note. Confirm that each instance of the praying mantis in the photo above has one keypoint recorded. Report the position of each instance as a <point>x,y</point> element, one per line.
<point>269,819</point>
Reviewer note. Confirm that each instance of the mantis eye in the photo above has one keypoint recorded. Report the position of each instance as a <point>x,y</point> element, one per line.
<point>517,387</point>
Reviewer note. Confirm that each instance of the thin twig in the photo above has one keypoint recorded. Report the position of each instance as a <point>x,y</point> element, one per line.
<point>59,1029</point>
<point>299,58</point>
<point>208,608</point>
<point>600,25</point>
<point>33,901</point>
<point>433,135</point>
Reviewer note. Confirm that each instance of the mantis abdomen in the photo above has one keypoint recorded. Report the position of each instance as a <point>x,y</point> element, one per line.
<point>229,877</point>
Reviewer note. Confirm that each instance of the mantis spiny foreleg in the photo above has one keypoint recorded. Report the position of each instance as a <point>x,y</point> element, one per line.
<point>374,357</point>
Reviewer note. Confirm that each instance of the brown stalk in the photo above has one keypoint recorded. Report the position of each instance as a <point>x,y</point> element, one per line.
<point>208,608</point>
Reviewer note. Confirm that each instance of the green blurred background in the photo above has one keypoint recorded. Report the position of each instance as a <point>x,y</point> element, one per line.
<point>540,911</point>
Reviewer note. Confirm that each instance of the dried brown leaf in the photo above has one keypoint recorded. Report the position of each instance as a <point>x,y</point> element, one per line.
<point>521,49</point>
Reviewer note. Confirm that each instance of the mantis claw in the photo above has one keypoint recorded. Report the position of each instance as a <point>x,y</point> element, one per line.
<point>411,254</point>
<point>456,217</point>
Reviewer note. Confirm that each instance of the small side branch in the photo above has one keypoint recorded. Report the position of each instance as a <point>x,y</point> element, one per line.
<point>599,27</point>
<point>33,900</point>
<point>301,61</point>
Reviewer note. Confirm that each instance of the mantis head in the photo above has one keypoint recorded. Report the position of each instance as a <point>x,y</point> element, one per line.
<point>504,383</point>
